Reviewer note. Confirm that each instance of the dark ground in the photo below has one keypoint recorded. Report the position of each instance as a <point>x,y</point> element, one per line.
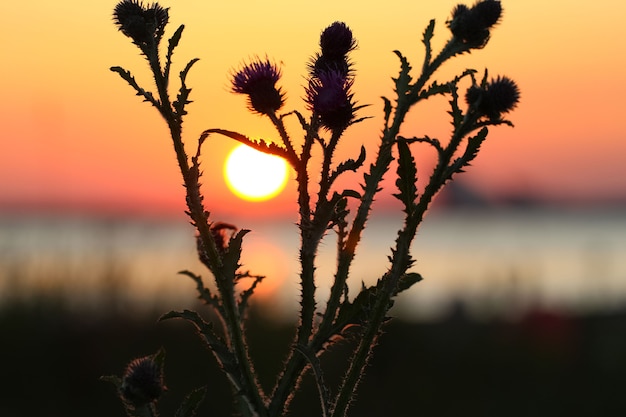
<point>544,364</point>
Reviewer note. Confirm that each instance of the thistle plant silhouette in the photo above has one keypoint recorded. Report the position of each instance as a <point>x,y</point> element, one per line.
<point>331,111</point>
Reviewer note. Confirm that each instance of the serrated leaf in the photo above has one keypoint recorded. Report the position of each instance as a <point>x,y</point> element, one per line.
<point>407,176</point>
<point>233,252</point>
<point>404,79</point>
<point>127,76</point>
<point>204,293</point>
<point>245,295</point>
<point>427,37</point>
<point>260,145</point>
<point>471,151</point>
<point>434,89</point>
<point>387,111</point>
<point>349,165</point>
<point>182,99</point>
<point>172,44</point>
<point>191,403</point>
<point>208,335</point>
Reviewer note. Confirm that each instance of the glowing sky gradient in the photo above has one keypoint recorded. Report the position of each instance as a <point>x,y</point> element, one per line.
<point>75,137</point>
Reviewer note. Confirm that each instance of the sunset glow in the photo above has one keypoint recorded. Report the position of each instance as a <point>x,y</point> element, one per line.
<point>253,175</point>
<point>75,136</point>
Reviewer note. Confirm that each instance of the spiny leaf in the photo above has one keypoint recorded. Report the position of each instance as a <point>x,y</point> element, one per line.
<point>407,176</point>
<point>305,125</point>
<point>387,110</point>
<point>191,403</point>
<point>245,295</point>
<point>434,89</point>
<point>127,76</point>
<point>404,79</point>
<point>233,252</point>
<point>204,329</point>
<point>455,111</point>
<point>425,139</point>
<point>203,292</point>
<point>471,151</point>
<point>225,357</point>
<point>172,44</point>
<point>428,35</point>
<point>349,165</point>
<point>182,99</point>
<point>260,145</point>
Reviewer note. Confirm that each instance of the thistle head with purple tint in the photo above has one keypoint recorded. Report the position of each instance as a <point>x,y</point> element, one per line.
<point>496,97</point>
<point>258,81</point>
<point>144,24</point>
<point>336,41</point>
<point>142,382</point>
<point>329,96</point>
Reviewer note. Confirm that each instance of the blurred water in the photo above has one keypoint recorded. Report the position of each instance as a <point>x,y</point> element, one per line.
<point>493,261</point>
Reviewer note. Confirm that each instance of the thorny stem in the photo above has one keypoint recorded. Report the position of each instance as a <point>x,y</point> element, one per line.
<point>325,182</point>
<point>311,235</point>
<point>400,263</point>
<point>401,257</point>
<point>296,363</point>
<point>280,127</point>
<point>224,279</point>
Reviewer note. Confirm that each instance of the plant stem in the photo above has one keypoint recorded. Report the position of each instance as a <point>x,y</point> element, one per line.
<point>224,279</point>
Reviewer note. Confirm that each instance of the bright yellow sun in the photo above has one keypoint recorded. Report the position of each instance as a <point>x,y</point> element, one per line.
<point>254,175</point>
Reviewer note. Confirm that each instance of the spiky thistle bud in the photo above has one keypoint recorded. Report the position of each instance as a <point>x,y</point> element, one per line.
<point>144,24</point>
<point>258,81</point>
<point>142,382</point>
<point>328,95</point>
<point>471,25</point>
<point>336,41</point>
<point>498,96</point>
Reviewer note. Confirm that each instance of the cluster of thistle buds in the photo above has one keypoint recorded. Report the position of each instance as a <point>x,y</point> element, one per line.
<point>330,80</point>
<point>471,26</point>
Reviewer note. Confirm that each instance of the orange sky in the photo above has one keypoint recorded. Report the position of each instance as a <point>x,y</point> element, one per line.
<point>74,136</point>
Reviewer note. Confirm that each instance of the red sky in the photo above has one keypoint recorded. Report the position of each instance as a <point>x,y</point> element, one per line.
<point>74,136</point>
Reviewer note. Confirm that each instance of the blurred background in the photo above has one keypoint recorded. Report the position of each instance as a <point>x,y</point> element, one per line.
<point>523,308</point>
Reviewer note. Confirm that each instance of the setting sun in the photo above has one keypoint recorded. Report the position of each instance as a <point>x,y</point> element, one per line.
<point>254,175</point>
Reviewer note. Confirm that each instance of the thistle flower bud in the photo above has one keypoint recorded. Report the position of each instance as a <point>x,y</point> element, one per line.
<point>143,24</point>
<point>336,41</point>
<point>142,382</point>
<point>471,25</point>
<point>258,81</point>
<point>499,96</point>
<point>329,96</point>
<point>321,63</point>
